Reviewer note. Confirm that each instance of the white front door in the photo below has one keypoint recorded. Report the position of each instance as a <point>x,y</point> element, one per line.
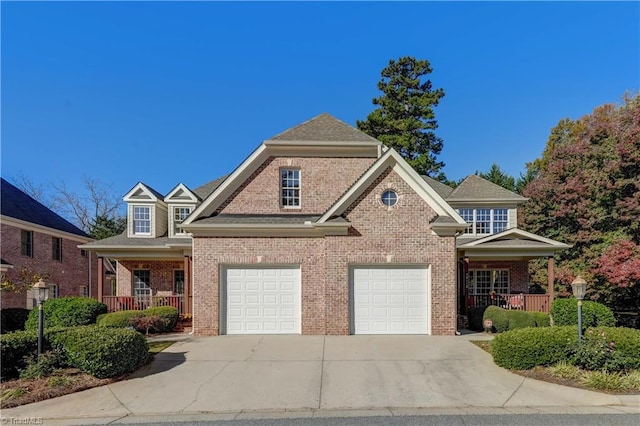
<point>265,300</point>
<point>390,300</point>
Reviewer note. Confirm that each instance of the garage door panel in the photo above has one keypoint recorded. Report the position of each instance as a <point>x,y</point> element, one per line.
<point>262,300</point>
<point>390,300</point>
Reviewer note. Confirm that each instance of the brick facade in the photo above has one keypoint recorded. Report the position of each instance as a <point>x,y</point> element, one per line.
<point>322,182</point>
<point>70,274</point>
<point>379,235</point>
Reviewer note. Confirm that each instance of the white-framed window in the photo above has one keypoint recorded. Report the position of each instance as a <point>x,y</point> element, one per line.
<point>178,281</point>
<point>142,220</point>
<point>290,188</point>
<point>485,221</point>
<point>53,291</point>
<point>84,291</point>
<point>486,281</point>
<point>180,213</point>
<point>389,198</point>
<point>141,282</point>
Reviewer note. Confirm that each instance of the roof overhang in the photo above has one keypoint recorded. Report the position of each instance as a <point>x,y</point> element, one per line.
<point>29,226</point>
<point>307,229</point>
<point>512,243</point>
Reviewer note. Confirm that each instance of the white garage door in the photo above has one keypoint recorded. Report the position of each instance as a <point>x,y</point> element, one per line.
<point>262,300</point>
<point>390,300</point>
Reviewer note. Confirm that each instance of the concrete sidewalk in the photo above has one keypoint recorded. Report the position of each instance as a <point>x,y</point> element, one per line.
<point>231,377</point>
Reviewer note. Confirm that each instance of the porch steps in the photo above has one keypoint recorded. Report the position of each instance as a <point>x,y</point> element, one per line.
<point>183,326</point>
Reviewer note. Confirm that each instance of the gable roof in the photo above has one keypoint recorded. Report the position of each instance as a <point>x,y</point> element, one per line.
<point>511,239</point>
<point>18,205</point>
<point>475,188</point>
<point>143,192</point>
<point>392,159</point>
<point>181,194</point>
<point>324,127</point>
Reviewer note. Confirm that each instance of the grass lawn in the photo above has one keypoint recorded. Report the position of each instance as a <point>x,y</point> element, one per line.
<point>62,382</point>
<point>569,375</point>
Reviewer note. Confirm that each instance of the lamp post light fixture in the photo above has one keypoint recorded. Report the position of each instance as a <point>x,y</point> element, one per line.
<point>579,287</point>
<point>42,293</point>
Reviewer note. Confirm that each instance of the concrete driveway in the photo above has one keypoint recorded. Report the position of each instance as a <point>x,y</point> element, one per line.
<point>232,374</point>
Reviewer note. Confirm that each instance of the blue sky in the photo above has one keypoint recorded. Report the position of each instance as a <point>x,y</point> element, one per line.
<point>182,92</point>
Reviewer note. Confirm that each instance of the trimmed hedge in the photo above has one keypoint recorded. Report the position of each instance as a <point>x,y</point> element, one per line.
<point>475,314</point>
<point>102,351</point>
<point>526,348</point>
<point>123,319</point>
<point>520,319</point>
<point>15,348</point>
<point>13,319</point>
<point>498,317</point>
<point>565,312</point>
<point>67,312</point>
<point>541,319</point>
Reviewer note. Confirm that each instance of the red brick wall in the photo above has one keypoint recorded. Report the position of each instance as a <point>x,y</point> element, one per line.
<point>69,274</point>
<point>518,272</point>
<point>322,182</point>
<point>380,235</point>
<point>160,275</point>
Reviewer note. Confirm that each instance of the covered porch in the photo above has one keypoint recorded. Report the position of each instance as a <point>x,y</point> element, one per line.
<point>493,270</point>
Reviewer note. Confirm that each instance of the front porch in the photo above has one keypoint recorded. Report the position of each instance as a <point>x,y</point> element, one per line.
<point>139,303</point>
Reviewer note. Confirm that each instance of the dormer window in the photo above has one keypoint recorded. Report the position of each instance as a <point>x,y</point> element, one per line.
<point>142,220</point>
<point>179,215</point>
<point>485,221</point>
<point>290,188</point>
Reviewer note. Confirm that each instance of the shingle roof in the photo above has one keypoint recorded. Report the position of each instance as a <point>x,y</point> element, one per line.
<point>442,189</point>
<point>205,190</point>
<point>18,205</point>
<point>275,219</point>
<point>475,188</point>
<point>123,240</point>
<point>324,127</point>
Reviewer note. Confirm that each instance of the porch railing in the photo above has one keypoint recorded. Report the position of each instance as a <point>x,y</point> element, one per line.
<point>524,302</point>
<point>139,303</point>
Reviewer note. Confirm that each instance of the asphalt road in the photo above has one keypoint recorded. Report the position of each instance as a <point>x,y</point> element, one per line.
<point>448,420</point>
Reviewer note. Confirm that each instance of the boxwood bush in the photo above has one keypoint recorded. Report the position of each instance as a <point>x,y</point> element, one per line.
<point>124,318</point>
<point>102,351</point>
<point>13,319</point>
<point>541,319</point>
<point>67,312</point>
<point>565,312</point>
<point>15,349</point>
<point>526,348</point>
<point>520,319</point>
<point>498,317</point>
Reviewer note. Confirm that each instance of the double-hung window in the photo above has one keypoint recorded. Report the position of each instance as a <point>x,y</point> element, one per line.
<point>142,220</point>
<point>178,281</point>
<point>26,243</point>
<point>485,221</point>
<point>179,215</point>
<point>290,188</point>
<point>486,281</point>
<point>141,283</point>
<point>56,248</point>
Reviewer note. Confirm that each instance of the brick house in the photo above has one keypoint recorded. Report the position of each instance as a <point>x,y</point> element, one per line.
<point>39,240</point>
<point>321,230</point>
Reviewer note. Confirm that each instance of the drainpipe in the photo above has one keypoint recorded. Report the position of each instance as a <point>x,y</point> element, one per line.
<point>193,299</point>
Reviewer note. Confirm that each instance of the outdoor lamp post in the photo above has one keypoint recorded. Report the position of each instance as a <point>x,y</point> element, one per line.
<point>42,293</point>
<point>579,287</point>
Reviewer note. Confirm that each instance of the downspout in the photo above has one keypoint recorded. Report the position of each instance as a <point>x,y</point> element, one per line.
<point>193,299</point>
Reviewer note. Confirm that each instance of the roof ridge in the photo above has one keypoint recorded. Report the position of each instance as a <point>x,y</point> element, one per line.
<point>323,127</point>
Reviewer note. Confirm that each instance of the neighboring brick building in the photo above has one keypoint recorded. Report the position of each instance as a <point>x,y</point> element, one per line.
<point>322,230</point>
<point>36,239</point>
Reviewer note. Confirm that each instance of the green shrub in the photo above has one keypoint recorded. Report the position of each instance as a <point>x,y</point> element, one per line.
<point>608,348</point>
<point>498,317</point>
<point>565,312</point>
<point>119,319</point>
<point>15,350</point>
<point>526,348</point>
<point>123,319</point>
<point>168,313</point>
<point>67,312</point>
<point>520,319</point>
<point>474,314</point>
<point>13,319</point>
<point>102,351</point>
<point>47,363</point>
<point>148,322</point>
<point>541,319</point>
